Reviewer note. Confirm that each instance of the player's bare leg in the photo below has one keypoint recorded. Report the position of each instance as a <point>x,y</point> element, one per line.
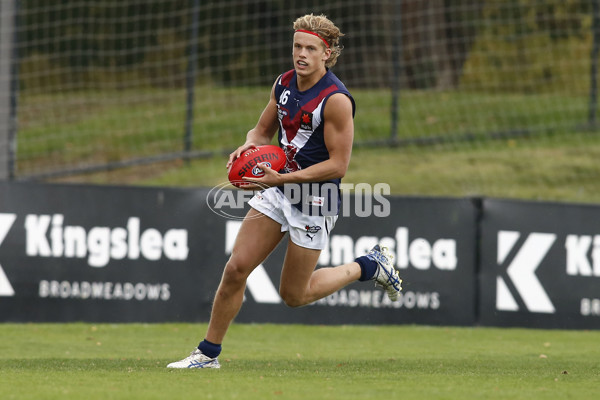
<point>257,238</point>
<point>301,284</point>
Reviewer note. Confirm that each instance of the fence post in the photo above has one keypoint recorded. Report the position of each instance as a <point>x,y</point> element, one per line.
<point>594,63</point>
<point>8,87</point>
<point>191,76</point>
<point>397,70</point>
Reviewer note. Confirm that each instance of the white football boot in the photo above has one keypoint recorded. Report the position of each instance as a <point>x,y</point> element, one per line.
<point>196,359</point>
<point>386,276</point>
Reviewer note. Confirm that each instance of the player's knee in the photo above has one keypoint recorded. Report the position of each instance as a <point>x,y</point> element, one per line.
<point>292,299</point>
<point>235,271</point>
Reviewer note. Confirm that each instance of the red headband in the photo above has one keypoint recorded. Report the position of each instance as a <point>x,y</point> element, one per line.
<point>315,34</point>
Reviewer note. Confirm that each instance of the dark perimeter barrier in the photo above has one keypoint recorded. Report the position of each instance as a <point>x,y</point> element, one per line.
<point>124,254</point>
<point>540,265</point>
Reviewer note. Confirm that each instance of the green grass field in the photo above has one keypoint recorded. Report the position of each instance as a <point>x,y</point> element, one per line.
<point>127,361</point>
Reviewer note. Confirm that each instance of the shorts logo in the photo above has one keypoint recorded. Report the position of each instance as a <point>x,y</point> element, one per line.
<point>306,121</point>
<point>312,229</point>
<point>315,201</point>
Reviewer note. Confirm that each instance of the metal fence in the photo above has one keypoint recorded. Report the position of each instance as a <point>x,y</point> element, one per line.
<point>103,84</point>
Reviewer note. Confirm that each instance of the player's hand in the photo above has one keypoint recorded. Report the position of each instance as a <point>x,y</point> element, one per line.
<point>238,152</point>
<point>269,179</point>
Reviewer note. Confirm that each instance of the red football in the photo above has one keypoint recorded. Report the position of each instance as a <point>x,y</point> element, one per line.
<point>247,164</point>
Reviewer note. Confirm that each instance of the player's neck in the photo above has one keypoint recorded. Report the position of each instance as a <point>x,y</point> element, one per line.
<point>307,81</point>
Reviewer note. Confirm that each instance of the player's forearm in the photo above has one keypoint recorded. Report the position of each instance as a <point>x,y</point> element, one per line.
<point>257,138</point>
<point>323,171</point>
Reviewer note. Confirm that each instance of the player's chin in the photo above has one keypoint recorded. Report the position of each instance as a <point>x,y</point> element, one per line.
<point>302,70</point>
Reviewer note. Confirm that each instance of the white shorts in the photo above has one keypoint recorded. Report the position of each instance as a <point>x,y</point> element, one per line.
<point>310,231</point>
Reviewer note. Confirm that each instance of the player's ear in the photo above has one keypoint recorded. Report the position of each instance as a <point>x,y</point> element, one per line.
<point>327,54</point>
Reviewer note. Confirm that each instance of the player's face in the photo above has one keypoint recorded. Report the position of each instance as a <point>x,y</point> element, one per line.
<point>309,53</point>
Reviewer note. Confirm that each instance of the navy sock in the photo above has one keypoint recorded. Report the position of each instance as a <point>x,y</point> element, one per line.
<point>368,268</point>
<point>209,349</point>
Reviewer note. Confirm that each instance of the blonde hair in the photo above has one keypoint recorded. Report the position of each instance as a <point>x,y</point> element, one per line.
<point>325,28</point>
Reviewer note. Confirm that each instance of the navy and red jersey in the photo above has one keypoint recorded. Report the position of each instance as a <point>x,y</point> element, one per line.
<point>301,134</point>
